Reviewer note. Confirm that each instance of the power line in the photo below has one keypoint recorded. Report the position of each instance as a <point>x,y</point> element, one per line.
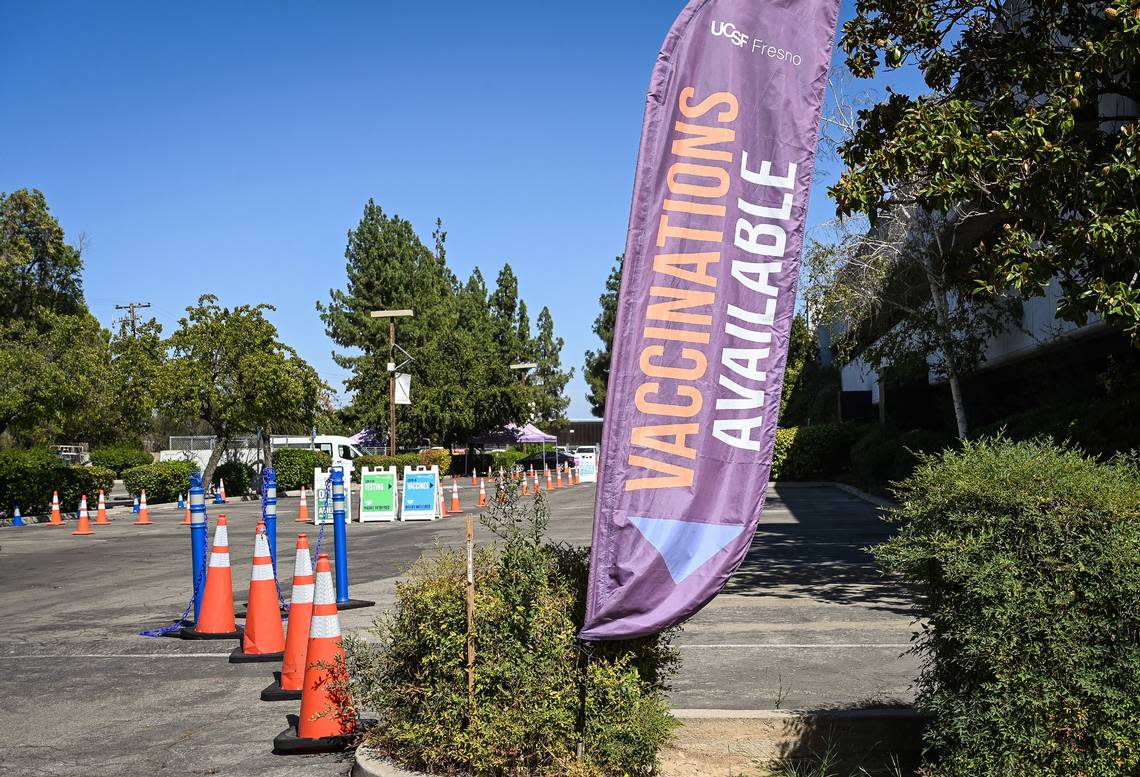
<point>132,315</point>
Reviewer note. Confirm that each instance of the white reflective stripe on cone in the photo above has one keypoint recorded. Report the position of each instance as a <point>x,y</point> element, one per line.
<point>220,559</point>
<point>302,594</point>
<point>324,627</point>
<point>262,572</point>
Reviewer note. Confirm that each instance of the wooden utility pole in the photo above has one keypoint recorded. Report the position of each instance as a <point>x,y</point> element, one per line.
<point>391,315</point>
<point>131,308</point>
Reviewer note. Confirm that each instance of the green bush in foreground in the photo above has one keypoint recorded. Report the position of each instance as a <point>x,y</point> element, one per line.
<point>120,458</point>
<point>529,669</point>
<point>163,480</point>
<point>1029,554</point>
<point>294,467</point>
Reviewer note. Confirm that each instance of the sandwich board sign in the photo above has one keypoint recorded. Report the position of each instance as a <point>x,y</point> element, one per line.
<point>421,494</point>
<point>322,493</point>
<point>588,467</point>
<point>378,494</point>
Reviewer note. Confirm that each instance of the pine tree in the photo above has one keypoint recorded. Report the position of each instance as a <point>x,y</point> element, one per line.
<point>597,366</point>
<point>549,378</point>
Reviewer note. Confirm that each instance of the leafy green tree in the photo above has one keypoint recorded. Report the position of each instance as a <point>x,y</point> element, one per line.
<point>597,366</point>
<point>228,369</point>
<point>550,379</point>
<point>137,357</point>
<point>40,273</point>
<point>1027,143</point>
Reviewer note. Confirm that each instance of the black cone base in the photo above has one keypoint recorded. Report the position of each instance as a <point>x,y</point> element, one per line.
<point>239,656</point>
<point>289,743</point>
<point>354,604</point>
<point>274,691</point>
<point>188,632</point>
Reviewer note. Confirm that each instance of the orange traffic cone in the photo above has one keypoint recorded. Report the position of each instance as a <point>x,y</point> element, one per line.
<point>303,515</point>
<point>558,482</point>
<point>56,516</point>
<point>474,477</point>
<point>442,507</point>
<point>101,516</point>
<point>186,521</point>
<point>222,490</point>
<point>549,482</point>
<point>320,726</point>
<point>483,493</point>
<point>526,485</point>
<point>216,619</point>
<point>264,635</point>
<point>455,508</point>
<point>569,475</point>
<point>84,522</point>
<point>144,516</point>
<point>287,684</point>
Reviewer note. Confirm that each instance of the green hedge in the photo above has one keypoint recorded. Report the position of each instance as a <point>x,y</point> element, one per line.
<point>294,467</point>
<point>399,462</point>
<point>1029,556</point>
<point>163,480</point>
<point>812,452</point>
<point>80,481</point>
<point>28,478</point>
<point>237,475</point>
<point>883,455</point>
<point>120,458</point>
<point>441,459</point>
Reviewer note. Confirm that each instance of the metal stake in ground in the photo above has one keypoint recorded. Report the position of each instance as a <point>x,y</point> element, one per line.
<point>340,540</point>
<point>471,614</point>
<point>269,512</point>
<point>197,539</point>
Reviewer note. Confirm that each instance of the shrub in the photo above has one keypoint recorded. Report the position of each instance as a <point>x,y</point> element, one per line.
<point>28,477</point>
<point>812,452</point>
<point>294,466</point>
<point>80,481</point>
<point>434,456</point>
<point>1028,555</point>
<point>237,475</point>
<point>399,462</point>
<point>883,455</point>
<point>163,480</point>
<point>507,459</point>
<point>120,458</point>
<point>529,670</point>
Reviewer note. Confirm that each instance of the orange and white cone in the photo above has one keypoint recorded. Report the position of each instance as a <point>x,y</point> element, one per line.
<point>101,515</point>
<point>264,635</point>
<point>525,486</point>
<point>558,482</point>
<point>222,489</point>
<point>569,475</point>
<point>216,618</point>
<point>144,516</point>
<point>549,481</point>
<point>483,493</point>
<point>292,674</point>
<point>84,520</point>
<point>455,508</point>
<point>442,507</point>
<point>186,521</point>
<point>303,514</point>
<point>474,477</point>
<point>56,515</point>
<point>319,726</point>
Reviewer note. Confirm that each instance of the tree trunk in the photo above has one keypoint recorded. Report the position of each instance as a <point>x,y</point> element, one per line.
<point>212,464</point>
<point>942,318</point>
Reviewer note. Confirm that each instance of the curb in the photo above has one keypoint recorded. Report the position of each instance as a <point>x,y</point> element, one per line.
<point>743,739</point>
<point>878,501</point>
<point>370,763</point>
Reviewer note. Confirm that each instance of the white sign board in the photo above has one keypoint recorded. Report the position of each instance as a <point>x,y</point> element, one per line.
<point>420,500</point>
<point>403,388</point>
<point>324,504</point>
<point>378,494</point>
<point>588,467</point>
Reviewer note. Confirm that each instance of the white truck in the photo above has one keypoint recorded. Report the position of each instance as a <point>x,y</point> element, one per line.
<point>197,449</point>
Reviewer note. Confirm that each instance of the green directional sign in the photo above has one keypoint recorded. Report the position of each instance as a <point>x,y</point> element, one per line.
<point>378,495</point>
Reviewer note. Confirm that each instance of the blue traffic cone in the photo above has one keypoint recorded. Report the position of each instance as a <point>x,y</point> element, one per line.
<point>135,509</point>
<point>16,519</point>
<point>181,504</point>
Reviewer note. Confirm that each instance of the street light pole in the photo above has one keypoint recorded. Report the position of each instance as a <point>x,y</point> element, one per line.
<point>391,315</point>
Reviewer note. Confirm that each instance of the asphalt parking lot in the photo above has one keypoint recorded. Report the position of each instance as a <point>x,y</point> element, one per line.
<point>806,623</point>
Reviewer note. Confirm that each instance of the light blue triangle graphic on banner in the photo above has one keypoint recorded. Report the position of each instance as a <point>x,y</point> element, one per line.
<point>685,545</point>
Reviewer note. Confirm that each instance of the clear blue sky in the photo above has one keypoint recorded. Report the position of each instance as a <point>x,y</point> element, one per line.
<point>227,147</point>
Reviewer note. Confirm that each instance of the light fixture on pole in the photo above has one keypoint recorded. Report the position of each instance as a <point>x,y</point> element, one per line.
<point>392,315</point>
<point>523,368</point>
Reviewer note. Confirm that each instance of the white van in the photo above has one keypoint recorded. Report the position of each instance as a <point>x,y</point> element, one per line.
<point>341,449</point>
